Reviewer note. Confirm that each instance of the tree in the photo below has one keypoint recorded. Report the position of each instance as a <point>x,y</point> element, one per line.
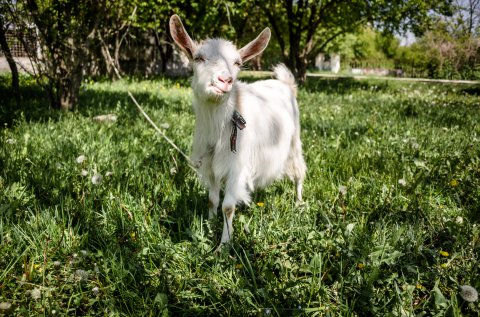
<point>451,49</point>
<point>217,18</point>
<point>11,62</point>
<point>66,30</point>
<point>304,28</point>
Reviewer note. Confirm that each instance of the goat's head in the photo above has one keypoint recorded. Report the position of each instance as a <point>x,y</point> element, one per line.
<point>216,62</point>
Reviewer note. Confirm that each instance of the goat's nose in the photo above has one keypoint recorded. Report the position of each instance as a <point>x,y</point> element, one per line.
<point>225,80</point>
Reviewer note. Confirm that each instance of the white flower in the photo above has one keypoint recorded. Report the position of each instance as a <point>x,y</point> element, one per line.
<point>80,275</point>
<point>82,158</point>
<point>57,263</point>
<point>108,174</point>
<point>83,253</point>
<point>36,293</point>
<point>84,173</point>
<point>5,307</point>
<point>11,141</point>
<point>343,190</point>
<point>97,179</point>
<point>402,182</point>
<point>95,290</point>
<point>468,293</point>
<point>459,220</point>
<point>58,166</point>
<point>164,125</point>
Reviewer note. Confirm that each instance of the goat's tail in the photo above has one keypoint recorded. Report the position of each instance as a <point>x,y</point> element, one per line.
<point>284,74</point>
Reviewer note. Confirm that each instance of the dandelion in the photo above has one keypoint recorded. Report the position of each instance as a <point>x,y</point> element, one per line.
<point>444,265</point>
<point>468,293</point>
<point>82,158</point>
<point>36,293</point>
<point>419,286</point>
<point>459,220</point>
<point>80,275</point>
<point>260,204</point>
<point>360,266</point>
<point>343,190</point>
<point>38,267</point>
<point>5,307</point>
<point>402,182</point>
<point>97,179</point>
<point>454,183</point>
<point>84,173</point>
<point>95,290</point>
<point>444,253</point>
<point>57,263</point>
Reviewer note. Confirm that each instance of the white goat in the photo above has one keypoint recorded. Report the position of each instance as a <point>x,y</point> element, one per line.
<point>246,135</point>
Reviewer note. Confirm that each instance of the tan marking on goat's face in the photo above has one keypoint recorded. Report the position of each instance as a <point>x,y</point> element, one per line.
<point>216,64</point>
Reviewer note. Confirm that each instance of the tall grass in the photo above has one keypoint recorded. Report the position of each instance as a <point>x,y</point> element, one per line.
<point>104,218</point>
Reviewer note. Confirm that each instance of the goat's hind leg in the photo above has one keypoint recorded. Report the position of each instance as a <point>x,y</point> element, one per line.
<point>296,168</point>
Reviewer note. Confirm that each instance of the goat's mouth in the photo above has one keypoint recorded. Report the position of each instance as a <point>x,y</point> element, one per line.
<point>220,90</point>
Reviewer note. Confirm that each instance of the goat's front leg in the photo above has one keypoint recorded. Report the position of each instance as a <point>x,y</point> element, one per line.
<point>228,208</point>
<point>213,199</point>
<point>235,191</point>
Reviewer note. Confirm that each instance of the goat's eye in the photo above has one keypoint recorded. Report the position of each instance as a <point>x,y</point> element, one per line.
<point>199,59</point>
<point>238,63</point>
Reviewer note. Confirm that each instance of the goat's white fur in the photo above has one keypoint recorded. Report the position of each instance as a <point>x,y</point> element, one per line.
<point>267,149</point>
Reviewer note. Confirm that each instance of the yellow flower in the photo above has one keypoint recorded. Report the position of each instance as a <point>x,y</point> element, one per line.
<point>238,266</point>
<point>444,253</point>
<point>360,266</point>
<point>419,286</point>
<point>38,267</point>
<point>260,204</point>
<point>444,265</point>
<point>453,183</point>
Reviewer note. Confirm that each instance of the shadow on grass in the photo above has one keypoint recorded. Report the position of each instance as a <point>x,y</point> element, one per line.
<point>34,105</point>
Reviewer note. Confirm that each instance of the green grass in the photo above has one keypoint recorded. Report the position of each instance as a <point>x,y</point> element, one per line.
<point>393,183</point>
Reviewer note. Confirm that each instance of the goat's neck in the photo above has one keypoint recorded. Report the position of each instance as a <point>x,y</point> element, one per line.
<point>213,118</point>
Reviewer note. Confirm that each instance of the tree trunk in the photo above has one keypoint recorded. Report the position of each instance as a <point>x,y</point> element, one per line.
<point>11,63</point>
<point>68,93</point>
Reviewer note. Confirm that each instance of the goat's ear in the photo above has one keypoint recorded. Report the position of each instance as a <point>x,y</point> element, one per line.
<point>256,46</point>
<point>181,37</point>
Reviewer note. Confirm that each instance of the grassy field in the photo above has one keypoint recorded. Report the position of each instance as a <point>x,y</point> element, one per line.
<point>105,219</point>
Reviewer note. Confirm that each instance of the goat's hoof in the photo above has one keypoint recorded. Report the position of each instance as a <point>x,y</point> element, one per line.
<point>300,203</point>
